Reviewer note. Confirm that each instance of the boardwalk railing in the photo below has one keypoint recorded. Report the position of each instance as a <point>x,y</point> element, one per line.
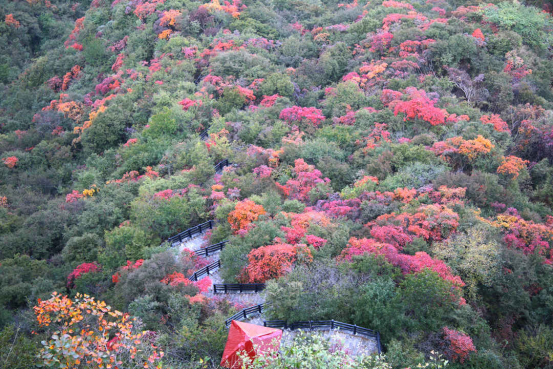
<point>220,165</point>
<point>190,232</point>
<point>238,288</point>
<point>209,250</point>
<point>327,324</point>
<point>200,228</point>
<point>200,273</point>
<point>204,135</point>
<point>243,314</point>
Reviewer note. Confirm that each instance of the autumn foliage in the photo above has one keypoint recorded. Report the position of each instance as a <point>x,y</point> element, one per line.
<point>88,333</point>
<point>408,263</point>
<point>307,177</point>
<point>273,261</point>
<point>419,106</point>
<point>432,222</point>
<point>383,154</point>
<point>11,21</point>
<point>80,270</point>
<point>245,212</point>
<point>511,166</point>
<point>498,124</point>
<point>459,345</point>
<point>478,34</point>
<point>300,225</point>
<point>456,149</point>
<point>10,162</point>
<point>525,235</point>
<point>296,114</point>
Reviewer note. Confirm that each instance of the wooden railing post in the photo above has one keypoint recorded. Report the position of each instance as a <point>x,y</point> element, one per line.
<point>355,329</point>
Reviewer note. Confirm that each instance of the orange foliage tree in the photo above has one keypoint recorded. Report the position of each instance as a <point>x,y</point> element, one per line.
<point>511,166</point>
<point>233,9</point>
<point>169,17</point>
<point>11,21</point>
<point>88,333</point>
<point>478,34</point>
<point>74,73</point>
<point>164,35</point>
<point>273,261</point>
<point>471,148</point>
<point>244,213</point>
<point>10,162</point>
<point>457,150</point>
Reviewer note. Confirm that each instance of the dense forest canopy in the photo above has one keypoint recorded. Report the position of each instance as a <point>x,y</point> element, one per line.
<point>390,166</point>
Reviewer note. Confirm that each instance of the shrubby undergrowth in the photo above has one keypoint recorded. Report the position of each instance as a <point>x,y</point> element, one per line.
<point>391,167</point>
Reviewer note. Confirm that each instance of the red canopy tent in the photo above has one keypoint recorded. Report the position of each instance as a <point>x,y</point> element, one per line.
<point>252,339</point>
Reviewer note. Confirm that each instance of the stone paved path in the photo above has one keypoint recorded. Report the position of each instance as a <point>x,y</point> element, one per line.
<point>354,345</point>
<point>193,244</point>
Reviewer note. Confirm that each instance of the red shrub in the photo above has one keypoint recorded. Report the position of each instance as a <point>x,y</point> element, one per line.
<point>10,162</point>
<point>420,107</point>
<point>270,262</point>
<point>80,270</point>
<point>307,177</point>
<point>459,345</point>
<point>298,114</point>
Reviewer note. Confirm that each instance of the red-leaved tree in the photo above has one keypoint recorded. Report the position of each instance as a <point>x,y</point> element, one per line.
<point>297,114</point>
<point>420,106</point>
<point>307,177</point>
<point>407,263</point>
<point>273,261</point>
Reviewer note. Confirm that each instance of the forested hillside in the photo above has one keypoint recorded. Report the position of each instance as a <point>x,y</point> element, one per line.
<point>390,166</point>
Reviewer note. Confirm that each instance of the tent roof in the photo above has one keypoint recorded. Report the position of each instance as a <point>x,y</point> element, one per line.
<point>240,333</point>
<point>254,330</point>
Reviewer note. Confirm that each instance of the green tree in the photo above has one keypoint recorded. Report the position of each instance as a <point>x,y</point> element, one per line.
<point>428,300</point>
<point>277,83</point>
<point>83,248</point>
<point>122,244</point>
<point>17,351</point>
<point>107,130</point>
<point>161,124</point>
